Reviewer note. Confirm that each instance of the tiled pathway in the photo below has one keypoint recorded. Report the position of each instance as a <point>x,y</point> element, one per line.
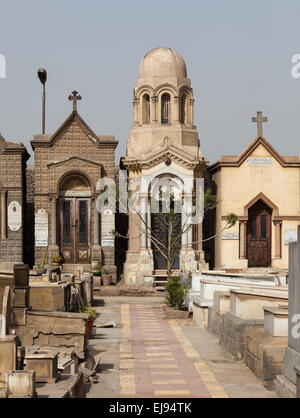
<point>158,360</point>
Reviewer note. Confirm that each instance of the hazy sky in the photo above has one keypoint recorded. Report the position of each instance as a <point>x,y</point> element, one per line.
<point>238,54</point>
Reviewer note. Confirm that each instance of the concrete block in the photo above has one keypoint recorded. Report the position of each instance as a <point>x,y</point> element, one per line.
<point>21,384</point>
<point>21,297</point>
<point>47,298</point>
<point>8,355</point>
<point>276,321</point>
<point>248,304</point>
<point>18,316</point>
<point>45,365</point>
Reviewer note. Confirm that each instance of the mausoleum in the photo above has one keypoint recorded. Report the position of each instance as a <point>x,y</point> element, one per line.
<point>262,188</point>
<point>68,167</point>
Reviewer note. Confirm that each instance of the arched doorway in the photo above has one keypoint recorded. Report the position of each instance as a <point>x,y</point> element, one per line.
<point>259,235</point>
<point>166,221</point>
<point>74,222</point>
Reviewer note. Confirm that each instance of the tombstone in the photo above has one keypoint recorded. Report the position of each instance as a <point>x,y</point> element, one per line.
<point>21,384</point>
<point>21,275</point>
<point>293,351</point>
<point>88,287</point>
<point>286,385</point>
<point>5,313</point>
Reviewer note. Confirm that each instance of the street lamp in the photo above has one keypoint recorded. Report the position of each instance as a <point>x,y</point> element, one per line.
<point>42,74</point>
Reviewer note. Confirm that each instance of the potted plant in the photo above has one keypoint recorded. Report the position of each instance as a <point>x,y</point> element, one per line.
<point>40,268</point>
<point>95,262</point>
<point>97,269</point>
<point>56,259</point>
<point>106,277</point>
<point>92,316</point>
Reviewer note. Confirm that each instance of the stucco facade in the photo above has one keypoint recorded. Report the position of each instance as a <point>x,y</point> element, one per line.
<point>261,175</point>
<point>163,144</point>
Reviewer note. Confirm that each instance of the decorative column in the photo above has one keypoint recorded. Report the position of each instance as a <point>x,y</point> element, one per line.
<point>153,109</point>
<point>191,112</point>
<point>53,220</point>
<point>243,229</point>
<point>53,248</point>
<point>184,237</point>
<point>134,220</point>
<point>136,111</point>
<point>3,215</point>
<point>278,224</point>
<point>143,207</point>
<point>149,225</point>
<point>96,247</point>
<point>175,110</point>
<point>96,224</point>
<point>188,208</point>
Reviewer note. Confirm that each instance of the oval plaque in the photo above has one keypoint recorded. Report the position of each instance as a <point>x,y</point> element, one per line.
<point>14,216</point>
<point>290,236</point>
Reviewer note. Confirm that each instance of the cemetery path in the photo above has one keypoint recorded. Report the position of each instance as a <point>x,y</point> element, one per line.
<point>151,357</point>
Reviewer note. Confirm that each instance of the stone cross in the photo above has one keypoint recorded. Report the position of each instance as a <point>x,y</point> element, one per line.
<point>260,119</point>
<point>74,96</point>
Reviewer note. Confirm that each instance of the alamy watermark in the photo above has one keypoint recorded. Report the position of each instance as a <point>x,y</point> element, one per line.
<point>296,68</point>
<point>166,194</point>
<point>296,327</point>
<point>2,66</point>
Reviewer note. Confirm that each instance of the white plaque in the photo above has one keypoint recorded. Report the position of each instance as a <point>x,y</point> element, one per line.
<point>107,228</point>
<point>230,236</point>
<point>14,216</point>
<point>260,162</point>
<point>107,243</point>
<point>290,236</point>
<point>41,228</point>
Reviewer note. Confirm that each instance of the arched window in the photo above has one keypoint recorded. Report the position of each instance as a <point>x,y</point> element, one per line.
<point>183,109</point>
<point>165,109</point>
<point>146,109</point>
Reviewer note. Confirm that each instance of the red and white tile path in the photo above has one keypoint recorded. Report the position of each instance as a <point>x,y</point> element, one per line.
<point>158,360</point>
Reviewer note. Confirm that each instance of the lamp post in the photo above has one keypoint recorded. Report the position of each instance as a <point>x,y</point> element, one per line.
<point>42,74</point>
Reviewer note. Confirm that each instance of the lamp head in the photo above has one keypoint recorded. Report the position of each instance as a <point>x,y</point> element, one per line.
<point>42,74</point>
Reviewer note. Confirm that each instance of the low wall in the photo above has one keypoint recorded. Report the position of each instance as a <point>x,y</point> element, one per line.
<point>56,329</point>
<point>47,298</point>
<point>264,354</point>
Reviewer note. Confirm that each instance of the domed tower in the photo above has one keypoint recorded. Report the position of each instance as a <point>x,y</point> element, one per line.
<point>163,145</point>
<point>163,105</point>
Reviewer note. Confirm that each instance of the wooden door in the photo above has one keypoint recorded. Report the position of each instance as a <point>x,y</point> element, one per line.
<point>75,230</point>
<point>159,226</point>
<point>259,243</point>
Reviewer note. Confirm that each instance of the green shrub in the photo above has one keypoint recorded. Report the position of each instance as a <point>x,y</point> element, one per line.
<point>176,292</point>
<point>89,310</point>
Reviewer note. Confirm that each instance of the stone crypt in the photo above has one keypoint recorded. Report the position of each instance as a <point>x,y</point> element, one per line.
<point>68,167</point>
<point>163,143</point>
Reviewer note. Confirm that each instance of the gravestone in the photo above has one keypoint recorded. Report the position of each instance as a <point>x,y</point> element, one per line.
<point>286,384</point>
<point>292,357</point>
<point>21,275</point>
<point>5,313</point>
<point>14,216</point>
<point>41,228</point>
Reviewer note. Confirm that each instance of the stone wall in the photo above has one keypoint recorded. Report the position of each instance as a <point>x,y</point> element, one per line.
<point>73,149</point>
<point>55,329</point>
<point>29,217</point>
<point>13,188</point>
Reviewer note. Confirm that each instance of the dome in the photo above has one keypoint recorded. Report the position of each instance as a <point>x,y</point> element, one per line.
<point>163,62</point>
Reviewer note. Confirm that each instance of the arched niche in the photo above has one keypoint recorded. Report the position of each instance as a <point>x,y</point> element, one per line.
<point>75,185</point>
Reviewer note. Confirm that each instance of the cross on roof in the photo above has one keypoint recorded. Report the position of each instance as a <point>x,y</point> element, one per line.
<point>260,119</point>
<point>74,96</point>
